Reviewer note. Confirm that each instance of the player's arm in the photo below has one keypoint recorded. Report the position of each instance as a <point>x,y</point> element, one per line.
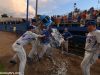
<point>98,36</point>
<point>40,36</point>
<point>98,40</point>
<point>70,35</point>
<point>37,35</point>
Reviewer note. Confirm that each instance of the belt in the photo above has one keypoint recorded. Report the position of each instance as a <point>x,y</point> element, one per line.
<point>18,43</point>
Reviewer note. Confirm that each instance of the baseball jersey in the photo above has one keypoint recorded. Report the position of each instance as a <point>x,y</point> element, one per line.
<point>93,41</point>
<point>66,35</point>
<point>46,38</point>
<point>27,37</point>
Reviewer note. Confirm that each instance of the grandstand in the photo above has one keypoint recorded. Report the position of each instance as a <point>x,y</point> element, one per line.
<point>77,17</point>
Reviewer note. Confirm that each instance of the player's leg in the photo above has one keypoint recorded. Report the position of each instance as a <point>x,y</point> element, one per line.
<point>33,50</point>
<point>13,59</point>
<point>33,56</point>
<point>49,51</point>
<point>86,63</point>
<point>44,48</point>
<point>22,58</point>
<point>92,61</point>
<point>66,46</point>
<point>49,54</point>
<point>61,41</point>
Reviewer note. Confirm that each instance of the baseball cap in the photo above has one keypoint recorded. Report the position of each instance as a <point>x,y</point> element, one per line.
<point>91,22</point>
<point>30,27</point>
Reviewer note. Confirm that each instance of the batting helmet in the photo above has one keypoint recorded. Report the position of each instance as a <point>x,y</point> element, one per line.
<point>45,20</point>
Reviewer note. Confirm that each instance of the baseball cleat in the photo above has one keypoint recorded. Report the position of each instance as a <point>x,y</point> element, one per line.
<point>13,62</point>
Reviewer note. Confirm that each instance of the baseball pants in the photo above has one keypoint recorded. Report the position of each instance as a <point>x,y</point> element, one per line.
<point>65,46</point>
<point>89,59</point>
<point>45,47</point>
<point>20,52</point>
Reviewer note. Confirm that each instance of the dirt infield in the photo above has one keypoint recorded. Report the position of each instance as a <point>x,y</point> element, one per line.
<point>44,67</point>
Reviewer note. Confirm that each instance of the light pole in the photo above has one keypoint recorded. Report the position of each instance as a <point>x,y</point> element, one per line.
<point>98,3</point>
<point>27,11</point>
<point>36,8</point>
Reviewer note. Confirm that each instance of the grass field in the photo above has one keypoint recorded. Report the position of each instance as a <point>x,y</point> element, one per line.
<point>2,68</point>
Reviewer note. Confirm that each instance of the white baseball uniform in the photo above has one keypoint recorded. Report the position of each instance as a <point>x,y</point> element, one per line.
<point>92,51</point>
<point>67,35</point>
<point>18,48</point>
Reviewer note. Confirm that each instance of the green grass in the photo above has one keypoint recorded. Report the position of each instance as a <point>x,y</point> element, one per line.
<point>1,68</point>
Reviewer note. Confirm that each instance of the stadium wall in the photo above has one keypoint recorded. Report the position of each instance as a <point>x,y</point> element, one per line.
<point>18,28</point>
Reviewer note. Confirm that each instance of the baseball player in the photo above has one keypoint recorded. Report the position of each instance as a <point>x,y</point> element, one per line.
<point>33,42</point>
<point>45,42</point>
<point>33,52</point>
<point>66,36</point>
<point>43,24</point>
<point>92,47</point>
<point>26,38</point>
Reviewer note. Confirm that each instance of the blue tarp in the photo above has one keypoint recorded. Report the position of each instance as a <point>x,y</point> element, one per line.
<point>23,27</point>
<point>20,28</point>
<point>2,27</point>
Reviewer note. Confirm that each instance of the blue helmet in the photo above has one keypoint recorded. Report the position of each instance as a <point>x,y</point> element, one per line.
<point>45,20</point>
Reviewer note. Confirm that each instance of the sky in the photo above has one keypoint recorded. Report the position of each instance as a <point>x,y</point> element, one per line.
<point>17,8</point>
